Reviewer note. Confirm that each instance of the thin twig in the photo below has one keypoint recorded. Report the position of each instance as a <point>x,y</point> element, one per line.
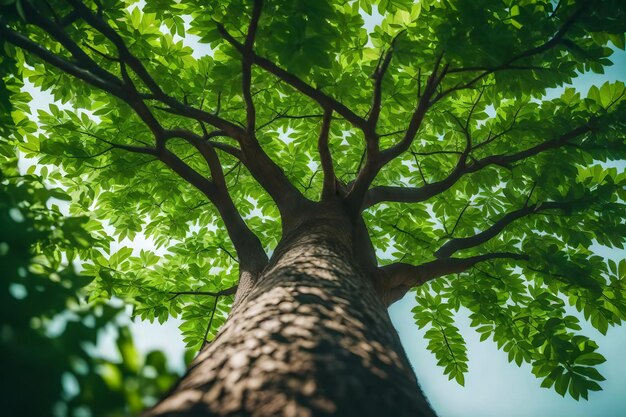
<point>208,327</point>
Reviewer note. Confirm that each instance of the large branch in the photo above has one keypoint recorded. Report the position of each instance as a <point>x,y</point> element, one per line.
<point>376,159</point>
<point>398,278</point>
<point>265,171</point>
<point>23,42</point>
<point>133,62</point>
<point>246,242</point>
<point>358,195</point>
<point>326,159</point>
<point>246,66</point>
<point>454,245</point>
<point>308,90</point>
<point>416,194</point>
<point>252,257</point>
<point>248,246</point>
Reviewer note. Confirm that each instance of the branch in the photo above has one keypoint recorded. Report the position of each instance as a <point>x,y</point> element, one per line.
<point>228,291</point>
<point>425,102</point>
<point>84,66</point>
<point>458,219</point>
<point>454,245</point>
<point>398,278</point>
<point>375,160</point>
<point>229,149</point>
<point>58,33</point>
<point>418,115</point>
<point>265,171</point>
<point>128,148</point>
<point>97,154</point>
<point>204,185</point>
<point>205,149</point>
<point>491,137</point>
<point>247,244</point>
<point>246,66</point>
<point>208,327</point>
<point>254,24</point>
<point>558,36</point>
<point>372,151</point>
<point>413,195</point>
<point>98,23</point>
<point>314,93</point>
<point>379,74</point>
<point>326,159</point>
<point>42,53</point>
<point>556,9</point>
<point>507,160</point>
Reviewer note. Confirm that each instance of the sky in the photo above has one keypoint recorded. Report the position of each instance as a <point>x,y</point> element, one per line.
<point>494,387</point>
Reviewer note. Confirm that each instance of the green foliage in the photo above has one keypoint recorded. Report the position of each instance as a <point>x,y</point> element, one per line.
<point>48,331</point>
<point>523,49</point>
<point>444,339</point>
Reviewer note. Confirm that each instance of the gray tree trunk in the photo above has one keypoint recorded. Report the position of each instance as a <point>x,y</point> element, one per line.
<point>310,338</point>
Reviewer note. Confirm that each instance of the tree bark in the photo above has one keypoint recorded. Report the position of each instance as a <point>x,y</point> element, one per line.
<point>310,338</point>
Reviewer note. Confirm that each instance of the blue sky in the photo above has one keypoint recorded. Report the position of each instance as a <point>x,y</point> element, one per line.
<point>496,388</point>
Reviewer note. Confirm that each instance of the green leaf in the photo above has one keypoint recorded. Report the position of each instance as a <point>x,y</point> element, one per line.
<point>561,384</point>
<point>592,358</point>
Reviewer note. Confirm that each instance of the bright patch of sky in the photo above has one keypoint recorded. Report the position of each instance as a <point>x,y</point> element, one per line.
<point>192,41</point>
<point>370,22</point>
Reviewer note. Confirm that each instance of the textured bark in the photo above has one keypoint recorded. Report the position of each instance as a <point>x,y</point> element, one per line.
<point>310,338</point>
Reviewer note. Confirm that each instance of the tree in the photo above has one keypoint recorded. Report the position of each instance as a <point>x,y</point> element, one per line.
<point>312,173</point>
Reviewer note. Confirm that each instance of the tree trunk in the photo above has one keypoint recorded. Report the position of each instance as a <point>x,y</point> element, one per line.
<point>310,338</point>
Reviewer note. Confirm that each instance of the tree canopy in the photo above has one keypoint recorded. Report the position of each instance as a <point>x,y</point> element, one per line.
<point>436,127</point>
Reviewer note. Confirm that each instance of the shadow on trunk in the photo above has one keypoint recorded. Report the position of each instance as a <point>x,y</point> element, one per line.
<point>310,338</point>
